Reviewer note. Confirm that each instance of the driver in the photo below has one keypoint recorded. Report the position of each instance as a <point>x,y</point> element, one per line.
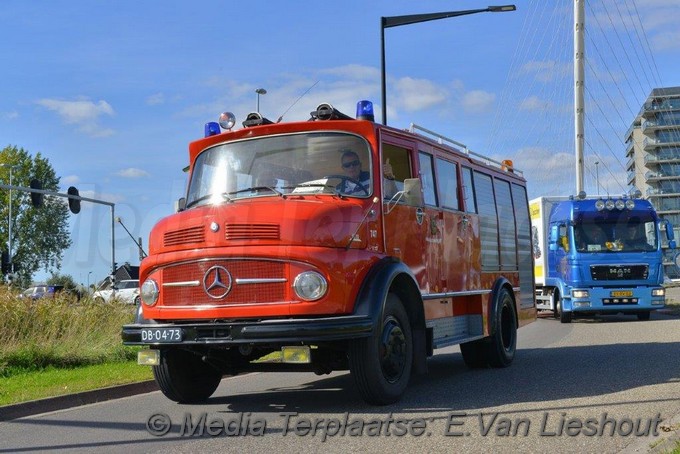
<point>351,166</point>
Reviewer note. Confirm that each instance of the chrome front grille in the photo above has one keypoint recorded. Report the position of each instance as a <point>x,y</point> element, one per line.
<point>252,282</point>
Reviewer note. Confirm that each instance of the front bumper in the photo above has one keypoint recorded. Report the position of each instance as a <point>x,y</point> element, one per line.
<point>272,331</point>
<point>613,300</point>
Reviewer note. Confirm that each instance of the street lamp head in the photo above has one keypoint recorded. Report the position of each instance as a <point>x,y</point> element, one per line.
<point>502,9</point>
<point>261,91</point>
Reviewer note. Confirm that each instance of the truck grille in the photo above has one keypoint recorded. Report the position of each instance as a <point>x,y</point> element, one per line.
<point>619,272</point>
<point>252,282</point>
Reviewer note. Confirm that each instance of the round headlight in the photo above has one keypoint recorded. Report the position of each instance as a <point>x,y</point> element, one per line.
<point>609,204</point>
<point>620,204</point>
<point>149,292</point>
<point>599,205</point>
<point>310,285</point>
<point>630,204</point>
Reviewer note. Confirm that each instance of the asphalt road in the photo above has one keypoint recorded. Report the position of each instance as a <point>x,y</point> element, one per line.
<point>568,389</point>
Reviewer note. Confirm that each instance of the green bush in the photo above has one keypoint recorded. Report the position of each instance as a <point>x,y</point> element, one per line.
<point>59,332</point>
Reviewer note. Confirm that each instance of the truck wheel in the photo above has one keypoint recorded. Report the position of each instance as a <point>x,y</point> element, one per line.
<point>503,343</point>
<point>565,317</point>
<point>643,315</point>
<point>558,305</point>
<point>381,364</point>
<point>474,353</point>
<point>183,377</point>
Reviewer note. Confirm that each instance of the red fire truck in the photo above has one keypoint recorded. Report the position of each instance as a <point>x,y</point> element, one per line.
<point>332,244</point>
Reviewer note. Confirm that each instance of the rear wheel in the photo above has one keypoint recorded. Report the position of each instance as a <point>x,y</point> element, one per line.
<point>183,377</point>
<point>381,364</point>
<point>503,342</point>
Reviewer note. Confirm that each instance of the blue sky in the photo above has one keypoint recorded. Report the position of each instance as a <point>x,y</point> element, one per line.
<point>113,92</point>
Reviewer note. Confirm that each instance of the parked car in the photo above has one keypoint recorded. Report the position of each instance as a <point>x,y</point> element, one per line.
<point>126,291</point>
<point>41,291</point>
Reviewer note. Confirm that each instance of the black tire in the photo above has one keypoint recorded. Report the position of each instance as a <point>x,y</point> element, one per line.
<point>474,353</point>
<point>558,305</point>
<point>137,300</point>
<point>183,377</point>
<point>565,317</point>
<point>643,316</point>
<point>381,364</point>
<point>503,342</point>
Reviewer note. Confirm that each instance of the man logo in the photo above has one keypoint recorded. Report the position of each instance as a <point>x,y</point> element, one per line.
<point>217,282</point>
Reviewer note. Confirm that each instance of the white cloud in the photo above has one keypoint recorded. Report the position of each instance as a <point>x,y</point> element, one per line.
<point>132,173</point>
<point>418,94</point>
<point>534,103</point>
<point>478,101</point>
<point>155,99</point>
<point>70,179</point>
<point>548,70</point>
<point>83,113</point>
<point>10,115</point>
<point>668,40</point>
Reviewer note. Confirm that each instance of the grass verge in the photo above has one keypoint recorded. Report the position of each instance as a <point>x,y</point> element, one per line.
<point>52,381</point>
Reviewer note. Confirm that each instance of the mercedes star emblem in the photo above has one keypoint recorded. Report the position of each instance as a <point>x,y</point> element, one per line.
<point>217,282</point>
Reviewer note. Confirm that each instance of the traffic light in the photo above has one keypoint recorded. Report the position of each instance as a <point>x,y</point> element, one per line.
<point>73,204</point>
<point>36,197</point>
<point>6,265</point>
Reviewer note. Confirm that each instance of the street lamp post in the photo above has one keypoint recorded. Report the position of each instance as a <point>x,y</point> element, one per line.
<point>597,177</point>
<point>88,282</point>
<point>396,21</point>
<point>259,91</point>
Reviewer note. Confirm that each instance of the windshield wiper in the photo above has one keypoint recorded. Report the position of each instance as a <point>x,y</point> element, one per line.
<point>257,189</point>
<point>224,195</point>
<point>318,185</point>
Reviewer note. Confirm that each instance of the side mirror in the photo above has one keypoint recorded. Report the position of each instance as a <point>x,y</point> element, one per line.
<point>413,192</point>
<point>180,204</point>
<point>669,231</point>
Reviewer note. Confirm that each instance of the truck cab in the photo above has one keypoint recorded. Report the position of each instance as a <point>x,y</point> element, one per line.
<point>603,256</point>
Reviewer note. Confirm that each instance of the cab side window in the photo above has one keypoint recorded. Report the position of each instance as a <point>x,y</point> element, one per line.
<point>398,158</point>
<point>427,177</point>
<point>448,184</point>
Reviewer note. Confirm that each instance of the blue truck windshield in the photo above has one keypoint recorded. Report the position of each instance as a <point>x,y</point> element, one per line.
<point>637,236</point>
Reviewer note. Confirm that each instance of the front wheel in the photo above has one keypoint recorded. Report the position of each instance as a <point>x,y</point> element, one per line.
<point>381,364</point>
<point>183,377</point>
<point>643,316</point>
<point>565,317</point>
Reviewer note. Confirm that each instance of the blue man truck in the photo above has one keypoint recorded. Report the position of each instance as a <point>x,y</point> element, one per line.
<point>598,256</point>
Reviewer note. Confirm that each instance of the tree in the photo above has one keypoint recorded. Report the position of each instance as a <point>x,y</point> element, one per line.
<point>39,235</point>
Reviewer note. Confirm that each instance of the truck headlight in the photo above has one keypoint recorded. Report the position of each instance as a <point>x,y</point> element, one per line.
<point>658,292</point>
<point>310,285</point>
<point>580,293</point>
<point>149,292</point>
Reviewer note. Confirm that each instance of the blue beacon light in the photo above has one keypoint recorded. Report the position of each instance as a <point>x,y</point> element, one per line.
<point>212,128</point>
<point>365,110</point>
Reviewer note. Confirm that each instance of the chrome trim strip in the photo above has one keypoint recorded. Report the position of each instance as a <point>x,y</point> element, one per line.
<point>182,284</point>
<point>271,280</point>
<point>431,296</point>
<point>454,294</point>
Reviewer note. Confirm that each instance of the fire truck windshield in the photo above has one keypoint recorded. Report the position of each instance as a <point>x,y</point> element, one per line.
<point>304,163</point>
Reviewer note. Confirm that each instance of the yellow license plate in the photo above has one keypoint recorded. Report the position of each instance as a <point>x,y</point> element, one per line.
<point>622,293</point>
